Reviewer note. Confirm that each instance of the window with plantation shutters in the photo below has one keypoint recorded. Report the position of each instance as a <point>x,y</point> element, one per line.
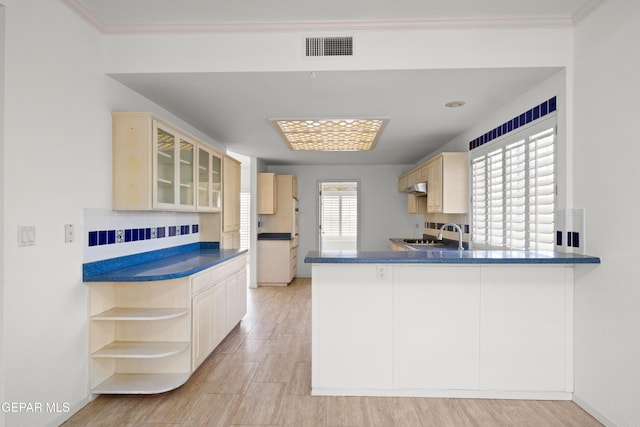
<point>513,190</point>
<point>338,215</point>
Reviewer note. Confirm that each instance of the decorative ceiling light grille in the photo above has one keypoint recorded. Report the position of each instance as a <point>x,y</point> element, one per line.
<point>330,134</point>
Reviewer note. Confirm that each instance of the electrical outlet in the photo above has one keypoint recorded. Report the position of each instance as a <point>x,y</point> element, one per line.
<point>382,272</point>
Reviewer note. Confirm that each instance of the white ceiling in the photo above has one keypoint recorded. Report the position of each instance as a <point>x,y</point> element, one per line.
<point>235,108</point>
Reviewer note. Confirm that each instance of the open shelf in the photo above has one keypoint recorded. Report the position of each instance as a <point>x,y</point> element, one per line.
<point>140,383</point>
<point>140,349</point>
<point>141,313</point>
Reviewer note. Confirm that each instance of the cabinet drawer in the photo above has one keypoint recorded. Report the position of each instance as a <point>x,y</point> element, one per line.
<point>236,264</point>
<point>206,279</point>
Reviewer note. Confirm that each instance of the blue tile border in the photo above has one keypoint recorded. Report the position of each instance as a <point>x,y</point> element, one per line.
<point>110,237</point>
<point>104,266</point>
<point>547,107</point>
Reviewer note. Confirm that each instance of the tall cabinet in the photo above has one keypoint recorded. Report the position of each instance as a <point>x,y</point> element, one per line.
<point>278,238</point>
<point>231,203</point>
<point>284,218</point>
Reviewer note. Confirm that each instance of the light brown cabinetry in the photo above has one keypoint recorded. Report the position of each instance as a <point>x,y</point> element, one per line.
<point>231,203</point>
<point>402,183</point>
<point>447,185</point>
<point>284,220</point>
<point>209,179</point>
<point>139,336</point>
<point>416,204</point>
<point>277,260</point>
<point>156,166</point>
<point>267,194</point>
<point>149,337</point>
<point>219,301</point>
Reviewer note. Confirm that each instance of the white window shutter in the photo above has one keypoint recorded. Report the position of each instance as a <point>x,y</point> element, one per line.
<point>513,192</point>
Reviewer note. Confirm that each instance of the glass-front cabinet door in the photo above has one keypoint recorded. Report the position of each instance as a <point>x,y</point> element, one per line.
<point>216,182</point>
<point>174,171</point>
<point>204,179</point>
<point>209,170</point>
<point>187,160</point>
<point>165,151</point>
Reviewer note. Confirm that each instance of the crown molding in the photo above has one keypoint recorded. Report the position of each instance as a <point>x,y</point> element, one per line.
<point>337,25</point>
<point>586,10</point>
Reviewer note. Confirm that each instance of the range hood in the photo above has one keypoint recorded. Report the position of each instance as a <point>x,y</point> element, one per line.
<point>419,189</point>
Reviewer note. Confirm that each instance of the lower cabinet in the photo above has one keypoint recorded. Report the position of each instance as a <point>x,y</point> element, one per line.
<point>487,331</point>
<point>277,262</point>
<point>149,337</point>
<point>209,321</point>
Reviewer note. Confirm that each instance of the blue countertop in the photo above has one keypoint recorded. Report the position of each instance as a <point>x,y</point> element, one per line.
<point>447,256</point>
<point>164,264</point>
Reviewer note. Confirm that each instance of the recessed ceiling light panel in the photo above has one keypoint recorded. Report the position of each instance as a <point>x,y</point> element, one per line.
<point>330,134</point>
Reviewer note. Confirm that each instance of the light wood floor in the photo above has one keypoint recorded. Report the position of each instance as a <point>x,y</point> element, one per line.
<point>261,375</point>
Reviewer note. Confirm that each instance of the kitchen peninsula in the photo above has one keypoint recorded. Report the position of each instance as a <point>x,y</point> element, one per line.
<point>444,323</point>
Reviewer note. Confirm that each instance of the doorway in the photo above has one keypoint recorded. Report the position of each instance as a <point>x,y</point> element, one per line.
<point>338,215</point>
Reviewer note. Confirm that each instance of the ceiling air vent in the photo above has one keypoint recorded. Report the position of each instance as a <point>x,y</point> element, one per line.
<point>328,46</point>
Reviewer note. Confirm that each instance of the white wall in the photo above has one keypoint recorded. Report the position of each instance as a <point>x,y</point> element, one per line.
<point>383,211</point>
<point>2,183</point>
<point>606,176</point>
<point>56,162</point>
<point>57,155</point>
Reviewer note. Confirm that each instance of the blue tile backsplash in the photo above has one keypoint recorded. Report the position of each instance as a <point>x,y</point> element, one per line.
<point>109,237</point>
<point>527,117</point>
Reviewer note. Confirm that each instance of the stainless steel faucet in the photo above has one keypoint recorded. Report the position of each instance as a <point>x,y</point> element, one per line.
<point>456,226</point>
